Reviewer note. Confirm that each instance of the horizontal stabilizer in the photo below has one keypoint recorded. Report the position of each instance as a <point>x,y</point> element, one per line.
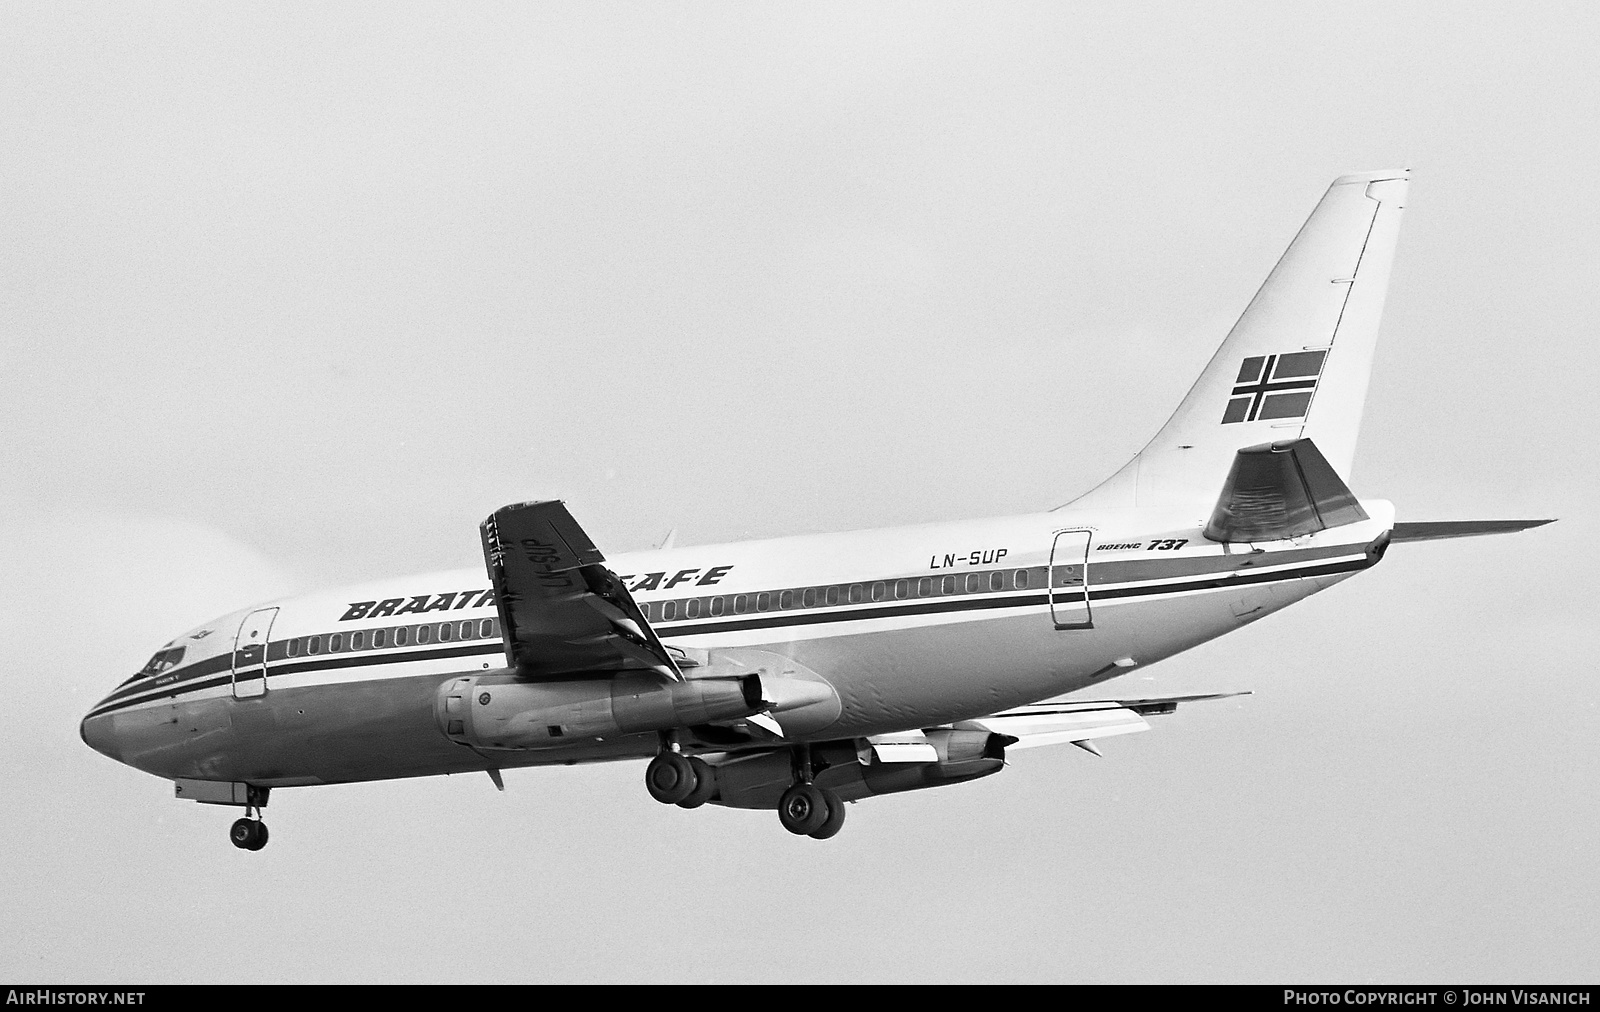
<point>1281,490</point>
<point>1436,530</point>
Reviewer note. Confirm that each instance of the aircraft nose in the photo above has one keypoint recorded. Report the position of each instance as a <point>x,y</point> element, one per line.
<point>98,734</point>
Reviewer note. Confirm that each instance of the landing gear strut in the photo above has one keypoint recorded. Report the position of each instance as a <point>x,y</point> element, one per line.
<point>249,833</point>
<point>806,809</point>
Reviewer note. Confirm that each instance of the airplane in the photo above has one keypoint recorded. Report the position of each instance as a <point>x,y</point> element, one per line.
<point>799,674</point>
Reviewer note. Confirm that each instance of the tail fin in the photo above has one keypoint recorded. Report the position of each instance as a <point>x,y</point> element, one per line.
<point>1295,366</point>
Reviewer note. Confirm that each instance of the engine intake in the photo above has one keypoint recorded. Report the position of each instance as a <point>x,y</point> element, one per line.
<point>500,711</point>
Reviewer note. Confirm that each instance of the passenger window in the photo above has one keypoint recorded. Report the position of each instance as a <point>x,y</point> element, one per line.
<point>997,580</point>
<point>902,589</point>
<point>1021,578</point>
<point>486,629</point>
<point>402,636</point>
<point>291,648</point>
<point>810,597</point>
<point>379,638</point>
<point>947,585</point>
<point>763,602</point>
<point>833,595</point>
<point>925,586</point>
<point>444,632</point>
<point>716,606</point>
<point>858,593</point>
<point>669,611</point>
<point>358,641</point>
<point>740,603</point>
<point>424,633</point>
<point>973,581</point>
<point>335,643</point>
<point>880,590</point>
<point>692,608</point>
<point>465,631</point>
<point>786,599</point>
<point>313,644</point>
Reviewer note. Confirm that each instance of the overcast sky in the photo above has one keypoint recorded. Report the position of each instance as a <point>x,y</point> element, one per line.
<point>296,294</point>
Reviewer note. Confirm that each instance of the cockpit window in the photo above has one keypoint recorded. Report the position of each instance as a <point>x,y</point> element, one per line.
<point>162,661</point>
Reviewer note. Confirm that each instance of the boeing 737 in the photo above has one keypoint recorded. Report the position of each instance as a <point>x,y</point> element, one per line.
<point>797,674</point>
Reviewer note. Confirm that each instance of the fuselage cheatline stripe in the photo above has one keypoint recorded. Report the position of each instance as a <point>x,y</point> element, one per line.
<point>188,682</point>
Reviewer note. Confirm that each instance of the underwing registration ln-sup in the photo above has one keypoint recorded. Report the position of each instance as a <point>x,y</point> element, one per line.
<point>798,674</point>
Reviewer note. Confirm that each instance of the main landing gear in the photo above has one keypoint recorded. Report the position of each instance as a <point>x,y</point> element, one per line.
<point>806,809</point>
<point>673,778</point>
<point>249,833</point>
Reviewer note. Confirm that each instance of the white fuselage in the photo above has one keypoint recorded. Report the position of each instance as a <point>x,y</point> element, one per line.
<point>910,627</point>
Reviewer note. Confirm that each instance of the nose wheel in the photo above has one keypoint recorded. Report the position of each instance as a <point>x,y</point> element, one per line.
<point>249,833</point>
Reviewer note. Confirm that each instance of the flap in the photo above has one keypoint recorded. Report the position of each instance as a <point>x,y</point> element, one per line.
<point>1054,728</point>
<point>903,747</point>
<point>1056,723</point>
<point>561,611</point>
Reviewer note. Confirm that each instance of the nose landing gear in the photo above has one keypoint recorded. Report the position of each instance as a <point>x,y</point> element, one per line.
<point>249,833</point>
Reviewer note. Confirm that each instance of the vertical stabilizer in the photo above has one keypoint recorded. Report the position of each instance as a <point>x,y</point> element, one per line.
<point>1295,366</point>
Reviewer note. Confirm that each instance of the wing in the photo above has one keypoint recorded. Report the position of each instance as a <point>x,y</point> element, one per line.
<point>562,612</point>
<point>1080,722</point>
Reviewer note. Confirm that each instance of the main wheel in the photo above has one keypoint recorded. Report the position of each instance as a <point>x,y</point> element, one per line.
<point>803,809</point>
<point>835,820</point>
<point>244,833</point>
<point>705,783</point>
<point>669,778</point>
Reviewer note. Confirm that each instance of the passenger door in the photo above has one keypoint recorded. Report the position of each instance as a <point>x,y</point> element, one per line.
<point>250,654</point>
<point>1069,580</point>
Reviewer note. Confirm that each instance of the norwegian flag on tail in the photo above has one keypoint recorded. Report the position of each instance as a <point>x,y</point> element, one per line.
<point>1274,386</point>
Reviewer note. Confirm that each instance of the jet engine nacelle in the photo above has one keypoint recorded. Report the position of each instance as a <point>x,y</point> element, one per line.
<point>500,711</point>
